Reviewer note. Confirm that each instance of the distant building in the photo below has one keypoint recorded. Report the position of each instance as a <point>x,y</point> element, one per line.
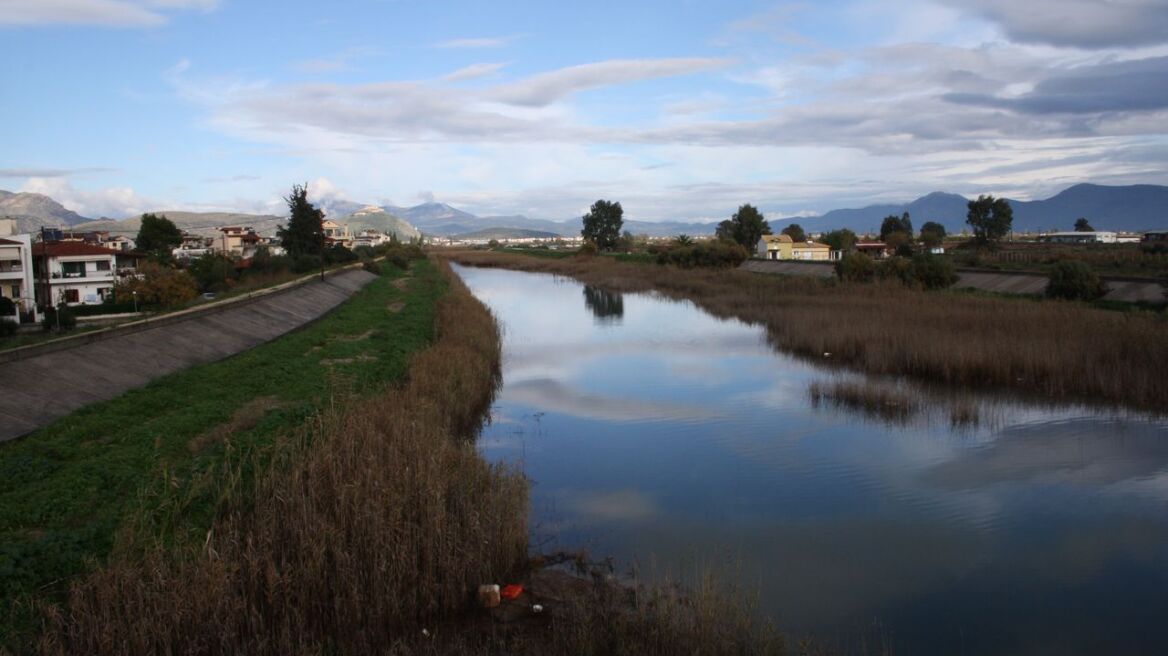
<point>76,273</point>
<point>1155,237</point>
<point>775,247</point>
<point>335,233</point>
<point>810,250</point>
<point>876,250</point>
<point>1093,237</point>
<point>234,241</point>
<point>16,277</point>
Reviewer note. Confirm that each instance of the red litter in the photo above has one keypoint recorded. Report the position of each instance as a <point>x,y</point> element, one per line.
<point>511,591</point>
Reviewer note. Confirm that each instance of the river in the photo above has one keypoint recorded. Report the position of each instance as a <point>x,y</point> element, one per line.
<point>957,523</point>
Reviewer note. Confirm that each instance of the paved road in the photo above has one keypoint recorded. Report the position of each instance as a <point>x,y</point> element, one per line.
<point>54,381</point>
<point>1119,289</point>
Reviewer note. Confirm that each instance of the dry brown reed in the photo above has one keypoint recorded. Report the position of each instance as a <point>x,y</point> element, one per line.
<point>1060,350</point>
<point>378,516</point>
<point>883,402</point>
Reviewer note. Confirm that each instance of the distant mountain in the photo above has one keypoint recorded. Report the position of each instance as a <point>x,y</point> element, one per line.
<point>372,217</point>
<point>426,216</point>
<point>196,223</point>
<point>1133,208</point>
<point>32,211</point>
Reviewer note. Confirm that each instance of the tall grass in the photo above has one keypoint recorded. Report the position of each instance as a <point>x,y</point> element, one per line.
<point>377,516</point>
<point>1059,350</point>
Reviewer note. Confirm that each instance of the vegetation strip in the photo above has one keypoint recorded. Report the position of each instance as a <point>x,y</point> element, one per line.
<point>1060,350</point>
<point>156,457</point>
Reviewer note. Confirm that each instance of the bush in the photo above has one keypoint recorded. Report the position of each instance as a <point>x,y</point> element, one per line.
<point>895,268</point>
<point>932,271</point>
<point>338,254</point>
<point>159,286</point>
<point>371,266</point>
<point>717,254</point>
<point>305,263</point>
<point>1074,280</point>
<point>7,306</point>
<point>855,267</point>
<point>587,248</point>
<point>61,316</point>
<point>7,328</point>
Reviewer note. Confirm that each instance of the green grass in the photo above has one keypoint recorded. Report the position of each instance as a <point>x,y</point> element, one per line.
<point>155,454</point>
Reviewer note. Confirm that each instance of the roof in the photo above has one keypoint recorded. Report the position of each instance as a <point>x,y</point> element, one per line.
<point>9,242</point>
<point>812,244</point>
<point>70,249</point>
<point>782,239</point>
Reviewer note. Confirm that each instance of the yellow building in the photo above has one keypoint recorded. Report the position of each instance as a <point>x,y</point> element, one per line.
<point>780,247</point>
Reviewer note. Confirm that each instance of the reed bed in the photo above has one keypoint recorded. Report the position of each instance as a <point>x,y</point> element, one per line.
<point>1059,350</point>
<point>377,517</point>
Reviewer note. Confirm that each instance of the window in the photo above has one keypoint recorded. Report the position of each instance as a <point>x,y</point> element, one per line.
<point>15,291</point>
<point>72,296</point>
<point>103,265</point>
<point>73,269</point>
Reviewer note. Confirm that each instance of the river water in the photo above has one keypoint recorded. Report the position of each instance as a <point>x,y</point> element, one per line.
<point>678,443</point>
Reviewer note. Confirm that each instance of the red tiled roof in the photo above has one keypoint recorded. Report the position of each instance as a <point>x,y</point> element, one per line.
<point>71,248</point>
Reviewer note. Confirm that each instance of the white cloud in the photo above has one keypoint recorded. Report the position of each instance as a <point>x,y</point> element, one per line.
<point>546,88</point>
<point>110,13</point>
<point>112,202</point>
<point>481,42</point>
<point>1086,24</point>
<point>472,72</point>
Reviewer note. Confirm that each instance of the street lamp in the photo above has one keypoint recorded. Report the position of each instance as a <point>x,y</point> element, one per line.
<point>135,302</point>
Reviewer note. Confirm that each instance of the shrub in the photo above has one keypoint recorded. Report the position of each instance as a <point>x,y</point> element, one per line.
<point>7,328</point>
<point>158,285</point>
<point>7,307</point>
<point>305,263</point>
<point>61,316</point>
<point>932,272</point>
<point>587,248</point>
<point>338,254</point>
<point>371,266</point>
<point>895,268</point>
<point>718,254</point>
<point>855,267</point>
<point>1074,280</point>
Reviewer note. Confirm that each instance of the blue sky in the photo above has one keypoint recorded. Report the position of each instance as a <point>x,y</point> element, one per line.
<point>680,110</point>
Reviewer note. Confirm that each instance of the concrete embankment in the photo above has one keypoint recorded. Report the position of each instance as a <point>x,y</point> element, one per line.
<point>43,383</point>
<point>1128,290</point>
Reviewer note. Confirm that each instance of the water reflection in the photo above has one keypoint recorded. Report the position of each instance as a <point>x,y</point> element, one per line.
<point>607,307</point>
<point>680,439</point>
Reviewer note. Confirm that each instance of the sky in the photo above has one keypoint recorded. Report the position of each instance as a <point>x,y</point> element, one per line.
<point>680,110</point>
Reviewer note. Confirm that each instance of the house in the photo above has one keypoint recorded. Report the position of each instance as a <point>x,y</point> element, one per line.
<point>810,250</point>
<point>234,241</point>
<point>876,250</point>
<point>775,247</point>
<point>1094,237</point>
<point>335,233</point>
<point>16,280</point>
<point>1155,237</point>
<point>76,273</point>
<point>371,238</point>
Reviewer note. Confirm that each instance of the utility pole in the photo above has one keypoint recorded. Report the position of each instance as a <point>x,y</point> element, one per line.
<point>48,297</point>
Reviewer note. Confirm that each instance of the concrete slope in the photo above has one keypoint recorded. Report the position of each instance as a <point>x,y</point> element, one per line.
<point>1128,290</point>
<point>52,382</point>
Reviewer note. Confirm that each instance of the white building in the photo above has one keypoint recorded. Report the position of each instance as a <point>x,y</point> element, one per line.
<point>1094,237</point>
<point>16,279</point>
<point>76,273</point>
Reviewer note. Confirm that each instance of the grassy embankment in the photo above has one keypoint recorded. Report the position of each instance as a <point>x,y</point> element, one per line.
<point>156,456</point>
<point>1057,350</point>
<point>369,521</point>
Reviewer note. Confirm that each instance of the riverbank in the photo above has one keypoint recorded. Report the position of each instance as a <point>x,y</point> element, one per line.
<point>152,460</point>
<point>1055,350</point>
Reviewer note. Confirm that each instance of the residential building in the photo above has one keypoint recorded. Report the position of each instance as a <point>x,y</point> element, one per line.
<point>1094,237</point>
<point>876,250</point>
<point>371,238</point>
<point>775,247</point>
<point>1155,237</point>
<point>234,241</point>
<point>16,279</point>
<point>810,250</point>
<point>76,273</point>
<point>335,233</point>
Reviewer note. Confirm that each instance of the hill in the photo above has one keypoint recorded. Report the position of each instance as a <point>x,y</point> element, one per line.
<point>375,218</point>
<point>507,233</point>
<point>32,211</point>
<point>197,223</point>
<point>1133,208</point>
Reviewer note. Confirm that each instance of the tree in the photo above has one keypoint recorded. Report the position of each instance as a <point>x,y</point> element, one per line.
<point>795,232</point>
<point>303,234</point>
<point>683,240</point>
<point>1074,280</point>
<point>602,224</point>
<point>1082,225</point>
<point>840,240</point>
<point>745,227</point>
<point>893,224</point>
<point>157,285</point>
<point>932,234</point>
<point>990,218</point>
<point>157,237</point>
